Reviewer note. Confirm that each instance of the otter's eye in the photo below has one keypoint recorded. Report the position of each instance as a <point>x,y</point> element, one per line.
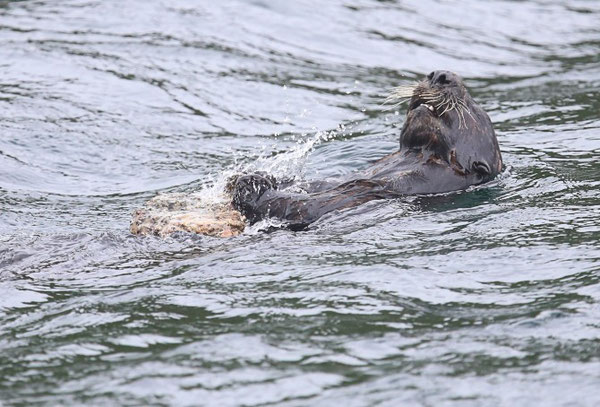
<point>441,78</point>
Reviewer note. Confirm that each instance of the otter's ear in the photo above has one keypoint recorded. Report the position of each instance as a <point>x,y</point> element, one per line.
<point>482,168</point>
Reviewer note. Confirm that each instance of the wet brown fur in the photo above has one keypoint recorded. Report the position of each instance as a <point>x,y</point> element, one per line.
<point>447,143</point>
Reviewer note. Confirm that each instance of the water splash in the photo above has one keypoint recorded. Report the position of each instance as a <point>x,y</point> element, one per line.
<point>287,165</point>
<point>291,164</point>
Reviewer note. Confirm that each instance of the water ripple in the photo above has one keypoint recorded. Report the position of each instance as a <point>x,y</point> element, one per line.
<point>484,297</point>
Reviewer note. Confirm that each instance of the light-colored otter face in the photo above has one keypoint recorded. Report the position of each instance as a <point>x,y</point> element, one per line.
<point>444,120</point>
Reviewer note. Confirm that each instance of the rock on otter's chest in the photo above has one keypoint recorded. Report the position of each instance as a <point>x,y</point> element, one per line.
<point>169,213</point>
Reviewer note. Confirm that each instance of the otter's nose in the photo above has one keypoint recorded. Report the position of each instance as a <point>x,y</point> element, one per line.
<point>442,77</point>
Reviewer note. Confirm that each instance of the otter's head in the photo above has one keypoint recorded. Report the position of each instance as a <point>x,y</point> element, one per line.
<point>444,121</point>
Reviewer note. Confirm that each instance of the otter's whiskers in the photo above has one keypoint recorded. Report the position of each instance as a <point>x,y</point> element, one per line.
<point>444,102</point>
<point>400,95</point>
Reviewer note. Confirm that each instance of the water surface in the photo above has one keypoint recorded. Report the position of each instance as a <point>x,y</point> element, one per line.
<point>482,298</point>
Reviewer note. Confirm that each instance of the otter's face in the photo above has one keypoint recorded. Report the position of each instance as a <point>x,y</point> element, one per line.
<point>445,121</point>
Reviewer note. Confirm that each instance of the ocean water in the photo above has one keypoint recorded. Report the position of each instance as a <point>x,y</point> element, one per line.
<point>480,298</point>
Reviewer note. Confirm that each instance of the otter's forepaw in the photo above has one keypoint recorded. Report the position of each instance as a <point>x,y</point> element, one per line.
<point>232,181</point>
<point>247,191</point>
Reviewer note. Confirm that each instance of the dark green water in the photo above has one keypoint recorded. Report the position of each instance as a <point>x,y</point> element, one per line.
<point>483,298</point>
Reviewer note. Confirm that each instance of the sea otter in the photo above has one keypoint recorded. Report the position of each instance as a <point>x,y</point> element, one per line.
<point>447,143</point>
